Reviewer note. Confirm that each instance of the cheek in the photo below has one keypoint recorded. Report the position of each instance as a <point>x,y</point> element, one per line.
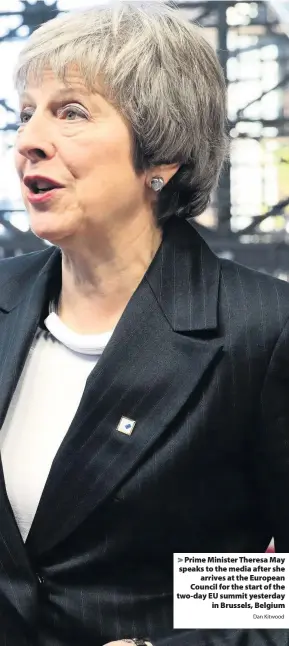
<point>109,147</point>
<point>101,161</point>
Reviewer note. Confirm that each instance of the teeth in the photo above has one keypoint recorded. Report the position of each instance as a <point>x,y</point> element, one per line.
<point>42,184</point>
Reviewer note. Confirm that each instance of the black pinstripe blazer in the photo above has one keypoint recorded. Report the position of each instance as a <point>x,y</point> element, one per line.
<point>200,361</point>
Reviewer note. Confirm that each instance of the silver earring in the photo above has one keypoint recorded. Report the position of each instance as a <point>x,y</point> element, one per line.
<point>157,183</point>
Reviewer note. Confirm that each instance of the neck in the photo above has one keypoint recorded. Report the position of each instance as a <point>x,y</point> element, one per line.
<point>99,280</point>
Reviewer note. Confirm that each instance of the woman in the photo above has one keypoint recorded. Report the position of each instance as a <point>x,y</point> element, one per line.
<point>141,377</point>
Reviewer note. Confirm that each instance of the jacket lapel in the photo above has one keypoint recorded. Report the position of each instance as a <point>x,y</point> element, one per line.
<point>150,367</point>
<point>21,302</point>
<point>17,328</point>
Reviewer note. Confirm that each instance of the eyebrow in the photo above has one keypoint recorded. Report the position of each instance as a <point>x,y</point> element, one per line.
<point>64,93</point>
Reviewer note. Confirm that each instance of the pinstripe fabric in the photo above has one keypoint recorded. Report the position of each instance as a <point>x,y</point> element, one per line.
<point>200,360</point>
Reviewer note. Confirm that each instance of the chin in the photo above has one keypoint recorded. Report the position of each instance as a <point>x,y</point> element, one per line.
<point>47,229</point>
<point>50,235</point>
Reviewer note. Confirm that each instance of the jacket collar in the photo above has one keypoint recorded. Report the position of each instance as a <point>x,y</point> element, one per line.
<point>184,277</point>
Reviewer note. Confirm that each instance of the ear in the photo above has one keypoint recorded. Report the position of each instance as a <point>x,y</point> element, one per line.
<point>166,171</point>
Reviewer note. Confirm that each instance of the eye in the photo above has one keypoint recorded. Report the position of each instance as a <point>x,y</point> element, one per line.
<point>24,116</point>
<point>71,113</point>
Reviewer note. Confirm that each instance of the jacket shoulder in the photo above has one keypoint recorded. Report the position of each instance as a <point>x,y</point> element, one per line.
<point>28,262</point>
<point>253,294</point>
<point>231,270</point>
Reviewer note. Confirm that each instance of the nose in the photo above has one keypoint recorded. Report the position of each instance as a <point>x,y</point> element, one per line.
<point>34,142</point>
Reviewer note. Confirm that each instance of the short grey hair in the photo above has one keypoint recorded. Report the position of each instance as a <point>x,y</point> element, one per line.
<point>164,77</point>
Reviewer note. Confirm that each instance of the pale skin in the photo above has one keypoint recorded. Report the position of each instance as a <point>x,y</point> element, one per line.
<point>103,218</point>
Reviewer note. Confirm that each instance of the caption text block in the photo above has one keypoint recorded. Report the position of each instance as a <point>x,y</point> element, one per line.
<point>231,590</point>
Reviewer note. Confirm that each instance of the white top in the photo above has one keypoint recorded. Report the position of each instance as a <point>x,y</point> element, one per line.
<point>42,408</point>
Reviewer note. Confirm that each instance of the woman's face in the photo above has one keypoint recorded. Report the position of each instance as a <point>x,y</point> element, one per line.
<point>81,141</point>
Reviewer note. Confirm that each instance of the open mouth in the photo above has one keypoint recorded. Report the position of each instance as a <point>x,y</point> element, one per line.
<point>35,189</point>
<point>37,186</point>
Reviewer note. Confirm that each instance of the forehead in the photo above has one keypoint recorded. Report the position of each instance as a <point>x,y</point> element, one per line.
<point>49,84</point>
